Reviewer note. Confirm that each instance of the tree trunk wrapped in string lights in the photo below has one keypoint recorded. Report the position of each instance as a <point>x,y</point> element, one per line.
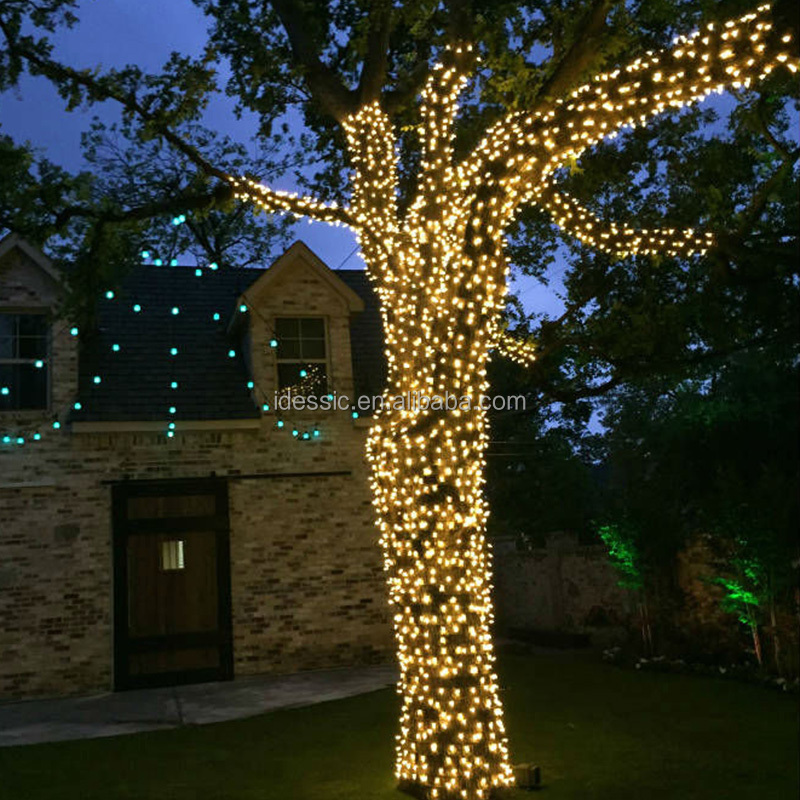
<point>441,275</point>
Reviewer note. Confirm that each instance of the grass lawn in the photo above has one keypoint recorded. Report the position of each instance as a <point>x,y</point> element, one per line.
<point>596,731</point>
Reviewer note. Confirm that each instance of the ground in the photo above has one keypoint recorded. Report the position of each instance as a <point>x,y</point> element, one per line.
<point>597,731</point>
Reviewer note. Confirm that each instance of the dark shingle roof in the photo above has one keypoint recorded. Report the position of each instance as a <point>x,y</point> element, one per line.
<point>135,380</point>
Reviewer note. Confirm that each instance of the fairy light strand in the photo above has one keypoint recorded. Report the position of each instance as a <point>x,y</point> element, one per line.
<point>441,274</point>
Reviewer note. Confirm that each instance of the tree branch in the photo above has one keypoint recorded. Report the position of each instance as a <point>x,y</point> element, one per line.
<point>520,152</point>
<point>620,240</point>
<point>461,21</point>
<point>401,96</point>
<point>521,351</point>
<point>324,84</point>
<point>183,202</point>
<point>101,89</point>
<point>277,201</point>
<point>573,65</point>
<point>376,61</point>
<point>750,215</point>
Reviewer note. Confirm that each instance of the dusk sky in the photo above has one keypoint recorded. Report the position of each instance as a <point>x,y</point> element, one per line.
<point>112,33</point>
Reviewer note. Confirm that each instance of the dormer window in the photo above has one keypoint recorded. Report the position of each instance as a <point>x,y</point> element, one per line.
<point>302,355</point>
<point>24,361</point>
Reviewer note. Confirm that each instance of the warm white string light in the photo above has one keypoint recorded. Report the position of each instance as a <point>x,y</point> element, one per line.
<point>441,275</point>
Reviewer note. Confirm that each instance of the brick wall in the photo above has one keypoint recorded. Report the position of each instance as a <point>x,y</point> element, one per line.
<point>306,571</point>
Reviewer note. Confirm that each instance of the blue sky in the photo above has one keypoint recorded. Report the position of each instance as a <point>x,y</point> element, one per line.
<point>112,33</point>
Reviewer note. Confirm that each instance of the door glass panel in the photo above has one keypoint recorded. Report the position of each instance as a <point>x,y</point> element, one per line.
<point>164,602</point>
<point>172,555</point>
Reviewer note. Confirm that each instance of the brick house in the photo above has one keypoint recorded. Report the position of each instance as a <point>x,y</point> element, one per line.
<point>160,520</point>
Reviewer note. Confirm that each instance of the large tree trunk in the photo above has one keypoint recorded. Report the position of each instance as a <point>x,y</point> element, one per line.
<point>427,476</point>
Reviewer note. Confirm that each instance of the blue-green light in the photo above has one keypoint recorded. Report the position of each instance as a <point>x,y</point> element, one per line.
<point>173,385</point>
<point>78,406</point>
<point>265,406</point>
<point>170,434</point>
<point>20,440</point>
<point>273,342</point>
<point>38,363</point>
<point>198,272</point>
<point>231,354</point>
<point>5,391</point>
<point>158,262</point>
<point>109,295</point>
<point>316,432</point>
<point>36,437</point>
<point>306,435</point>
<point>73,331</point>
<point>250,384</point>
<point>171,426</point>
<point>243,308</point>
<point>355,415</point>
<point>175,311</point>
<point>213,265</point>
<point>115,348</point>
<point>172,410</point>
<point>295,431</point>
<point>136,308</point>
<point>216,316</point>
<point>96,379</point>
<point>303,373</point>
<point>56,425</point>
<point>173,262</point>
<point>145,254</point>
<point>173,351</point>
<point>6,439</point>
<point>280,423</point>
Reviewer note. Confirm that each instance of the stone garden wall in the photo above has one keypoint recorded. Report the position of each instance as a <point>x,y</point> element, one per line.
<point>564,586</point>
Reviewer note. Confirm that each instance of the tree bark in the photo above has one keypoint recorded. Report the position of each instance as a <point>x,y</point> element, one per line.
<point>427,480</point>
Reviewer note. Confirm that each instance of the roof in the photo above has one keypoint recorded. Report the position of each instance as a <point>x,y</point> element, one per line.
<point>136,377</point>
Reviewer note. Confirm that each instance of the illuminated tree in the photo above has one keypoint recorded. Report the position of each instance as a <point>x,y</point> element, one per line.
<point>438,265</point>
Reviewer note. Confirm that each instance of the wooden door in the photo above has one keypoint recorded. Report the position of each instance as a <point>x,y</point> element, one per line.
<point>172,619</point>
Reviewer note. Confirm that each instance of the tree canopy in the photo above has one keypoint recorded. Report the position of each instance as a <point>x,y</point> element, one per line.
<point>732,171</point>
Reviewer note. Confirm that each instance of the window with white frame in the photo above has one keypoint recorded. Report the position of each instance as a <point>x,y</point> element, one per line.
<point>24,361</point>
<point>302,355</point>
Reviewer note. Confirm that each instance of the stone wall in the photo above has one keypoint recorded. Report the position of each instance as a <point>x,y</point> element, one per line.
<point>563,586</point>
